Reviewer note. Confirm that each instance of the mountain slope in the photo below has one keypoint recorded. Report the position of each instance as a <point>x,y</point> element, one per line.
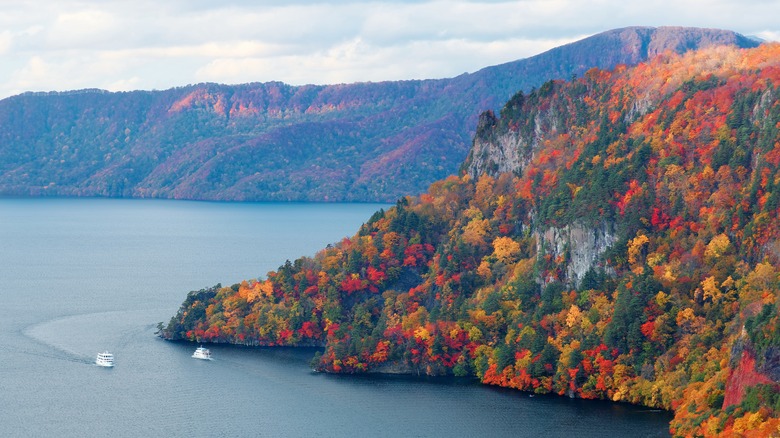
<point>356,142</point>
<point>611,237</point>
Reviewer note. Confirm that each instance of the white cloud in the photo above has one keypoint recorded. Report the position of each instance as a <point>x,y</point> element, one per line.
<point>35,71</point>
<point>6,39</point>
<point>128,84</point>
<point>768,35</point>
<point>357,61</point>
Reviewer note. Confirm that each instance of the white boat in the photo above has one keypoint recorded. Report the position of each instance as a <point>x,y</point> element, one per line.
<point>105,359</point>
<point>202,353</point>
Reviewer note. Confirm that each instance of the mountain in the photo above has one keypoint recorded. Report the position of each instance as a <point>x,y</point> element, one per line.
<point>271,141</point>
<point>611,237</point>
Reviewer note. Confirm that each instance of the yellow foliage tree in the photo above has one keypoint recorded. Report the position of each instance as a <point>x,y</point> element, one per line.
<point>717,246</point>
<point>475,334</point>
<point>506,249</point>
<point>574,316</point>
<point>415,319</point>
<point>635,247</point>
<point>761,283</point>
<point>422,334</point>
<point>484,270</point>
<point>267,288</point>
<point>710,288</point>
<point>475,231</point>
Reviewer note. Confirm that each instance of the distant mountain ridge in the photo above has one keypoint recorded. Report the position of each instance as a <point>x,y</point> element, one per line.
<point>272,141</point>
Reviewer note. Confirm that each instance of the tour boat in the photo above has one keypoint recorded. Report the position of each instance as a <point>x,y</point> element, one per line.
<point>202,353</point>
<point>105,359</point>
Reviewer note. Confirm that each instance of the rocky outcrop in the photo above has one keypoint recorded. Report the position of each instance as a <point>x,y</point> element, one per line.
<point>579,247</point>
<point>499,147</point>
<point>494,154</point>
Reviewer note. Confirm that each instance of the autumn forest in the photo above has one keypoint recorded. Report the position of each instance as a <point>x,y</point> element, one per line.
<point>614,236</point>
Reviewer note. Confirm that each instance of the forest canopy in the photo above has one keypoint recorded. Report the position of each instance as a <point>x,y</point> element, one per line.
<point>630,254</point>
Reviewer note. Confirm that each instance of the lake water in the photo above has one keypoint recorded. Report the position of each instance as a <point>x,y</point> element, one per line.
<point>79,276</point>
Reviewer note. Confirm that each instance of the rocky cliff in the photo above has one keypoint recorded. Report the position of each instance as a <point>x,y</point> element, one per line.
<point>577,249</point>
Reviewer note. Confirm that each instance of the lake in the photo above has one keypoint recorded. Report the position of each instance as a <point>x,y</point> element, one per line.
<point>79,276</point>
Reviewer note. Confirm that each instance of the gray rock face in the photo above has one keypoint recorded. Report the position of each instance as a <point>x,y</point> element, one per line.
<point>509,152</point>
<point>581,247</point>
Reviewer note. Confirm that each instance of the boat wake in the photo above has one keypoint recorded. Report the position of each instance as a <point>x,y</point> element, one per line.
<point>77,338</point>
<point>48,353</point>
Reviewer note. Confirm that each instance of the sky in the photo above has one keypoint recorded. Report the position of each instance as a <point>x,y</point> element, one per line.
<point>122,45</point>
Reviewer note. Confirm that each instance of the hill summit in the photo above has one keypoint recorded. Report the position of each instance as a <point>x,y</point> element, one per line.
<point>276,142</point>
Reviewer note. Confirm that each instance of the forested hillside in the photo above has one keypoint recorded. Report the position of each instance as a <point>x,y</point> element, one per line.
<point>272,141</point>
<point>611,237</point>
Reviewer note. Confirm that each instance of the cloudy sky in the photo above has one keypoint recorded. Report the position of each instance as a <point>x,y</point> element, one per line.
<point>157,44</point>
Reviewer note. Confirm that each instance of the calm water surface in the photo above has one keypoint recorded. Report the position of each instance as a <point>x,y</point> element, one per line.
<point>81,276</point>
